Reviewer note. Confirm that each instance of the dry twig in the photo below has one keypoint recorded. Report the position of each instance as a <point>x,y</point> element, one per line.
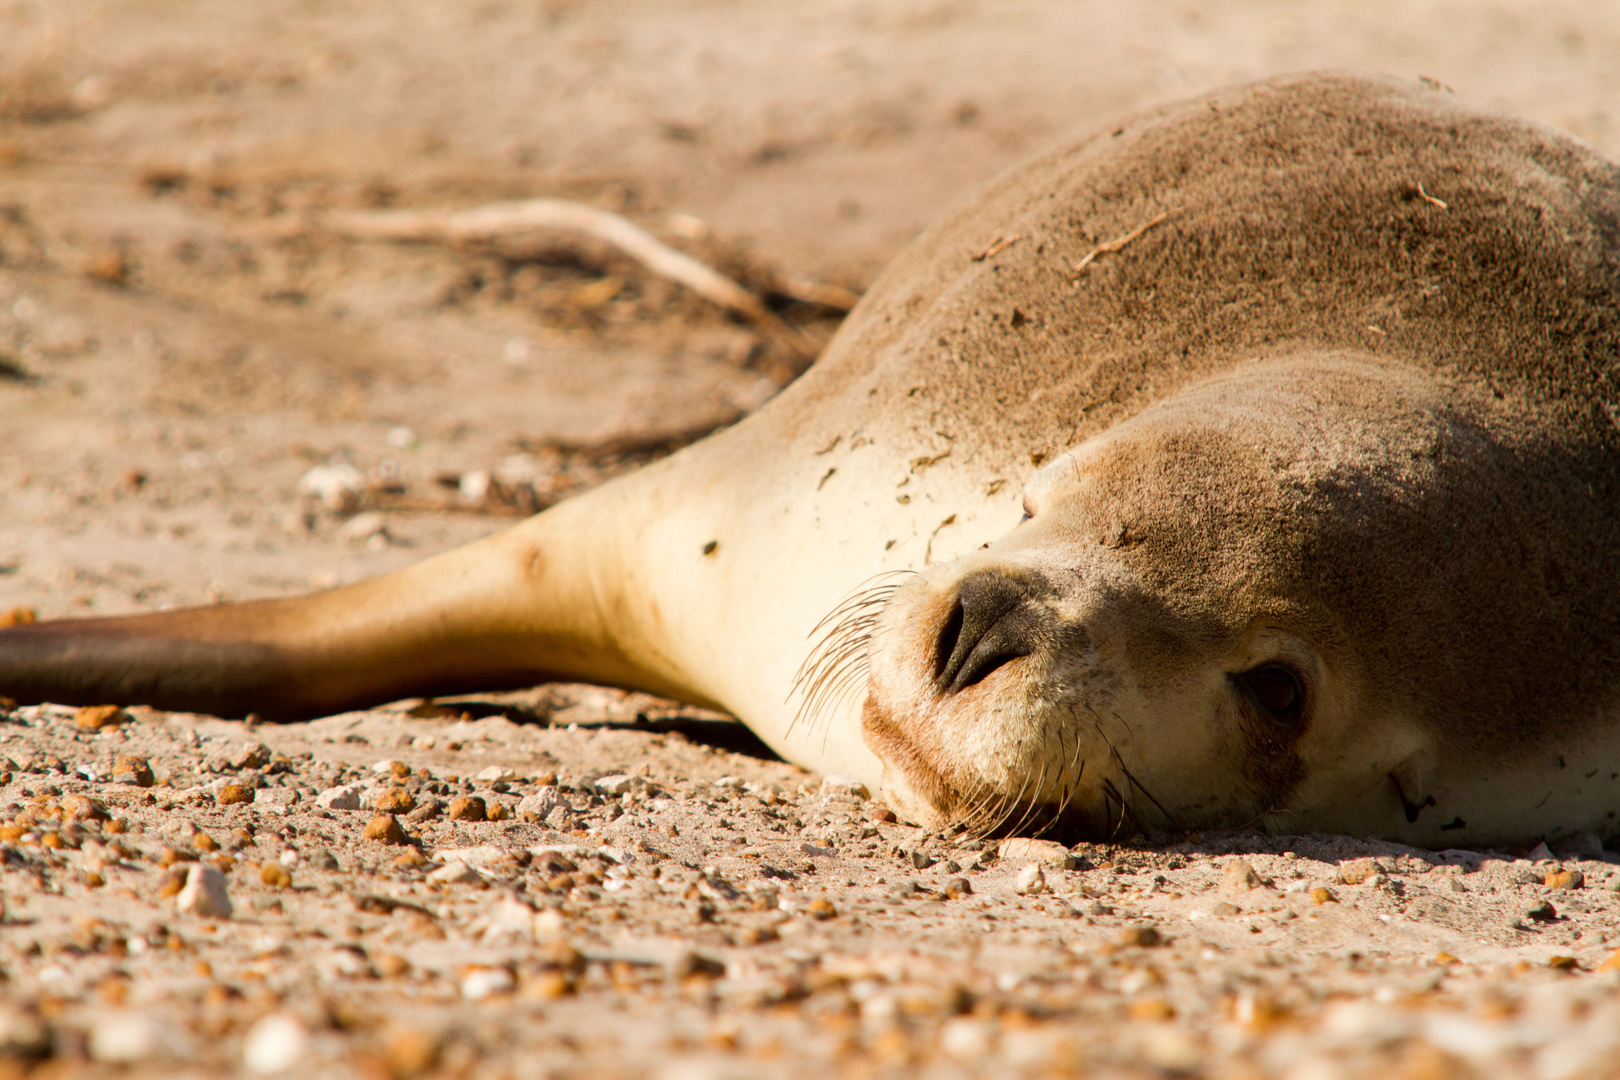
<point>500,219</point>
<point>1117,243</point>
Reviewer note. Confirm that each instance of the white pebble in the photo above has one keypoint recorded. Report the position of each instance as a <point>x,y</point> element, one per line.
<point>494,773</point>
<point>337,486</point>
<point>274,1044</point>
<point>480,983</point>
<point>124,1038</point>
<point>842,786</point>
<point>205,894</point>
<point>453,873</point>
<point>1031,880</point>
<point>342,797</point>
<point>364,527</point>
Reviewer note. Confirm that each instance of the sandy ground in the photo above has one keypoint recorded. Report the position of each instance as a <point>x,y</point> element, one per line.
<point>181,341</point>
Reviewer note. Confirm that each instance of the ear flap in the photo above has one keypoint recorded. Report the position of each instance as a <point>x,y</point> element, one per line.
<point>1410,778</point>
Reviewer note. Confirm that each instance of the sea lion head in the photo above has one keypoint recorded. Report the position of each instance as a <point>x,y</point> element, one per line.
<point>1227,610</point>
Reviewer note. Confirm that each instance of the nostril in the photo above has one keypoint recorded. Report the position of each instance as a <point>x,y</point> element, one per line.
<point>989,625</point>
<point>949,634</point>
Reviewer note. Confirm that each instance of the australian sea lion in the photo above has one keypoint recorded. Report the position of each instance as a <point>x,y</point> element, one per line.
<point>1308,393</point>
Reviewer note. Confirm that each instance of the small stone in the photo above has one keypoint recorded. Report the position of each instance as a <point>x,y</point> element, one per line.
<point>884,814</point>
<point>253,755</point>
<point>958,887</point>
<point>1239,877</point>
<point>537,807</point>
<point>338,485</point>
<point>363,527</point>
<point>411,860</point>
<point>1224,909</point>
<point>124,1038</point>
<point>1357,871</point>
<point>276,800</point>
<point>386,828</point>
<point>1156,1008</point>
<point>97,717</point>
<point>839,786</point>
<point>410,1052</point>
<point>1445,959</point>
<point>498,811</point>
<point>1320,896</point>
<point>455,873</point>
<point>820,908</point>
<point>1031,880</point>
<point>1045,852</point>
<point>233,795</point>
<point>389,767</point>
<point>343,797</point>
<point>275,1044</point>
<point>426,810</point>
<point>129,769</point>
<point>495,774</point>
<point>1564,879</point>
<point>18,616</point>
<point>1563,963</point>
<point>920,860</point>
<point>205,894</point>
<point>321,859</point>
<point>276,876</point>
<point>481,982</point>
<point>82,808</point>
<point>1542,912</point>
<point>1142,936</point>
<point>1540,853</point>
<point>390,965</point>
<point>468,808</point>
<point>395,801</point>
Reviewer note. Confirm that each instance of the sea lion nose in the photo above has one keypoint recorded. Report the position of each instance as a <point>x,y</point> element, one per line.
<point>989,624</point>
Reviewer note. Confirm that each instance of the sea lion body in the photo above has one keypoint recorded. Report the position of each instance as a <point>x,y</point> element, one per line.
<point>1310,387</point>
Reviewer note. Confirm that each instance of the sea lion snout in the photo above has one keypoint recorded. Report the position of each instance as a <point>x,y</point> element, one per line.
<point>993,621</point>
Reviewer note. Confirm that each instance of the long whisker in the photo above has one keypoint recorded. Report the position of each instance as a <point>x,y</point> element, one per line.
<point>839,662</point>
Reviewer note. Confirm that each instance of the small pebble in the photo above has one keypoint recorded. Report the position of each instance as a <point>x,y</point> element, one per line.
<point>276,876</point>
<point>1320,896</point>
<point>275,1044</point>
<point>1025,849</point>
<point>395,801</point>
<point>1142,936</point>
<point>342,797</point>
<point>1239,877</point>
<point>846,787</point>
<point>234,794</point>
<point>1564,879</point>
<point>958,887</point>
<point>468,808</point>
<point>82,808</point>
<point>410,860</point>
<point>1031,880</point>
<point>482,982</point>
<point>454,873</point>
<point>1542,912</point>
<point>17,616</point>
<point>385,827</point>
<point>205,894</point>
<point>97,717</point>
<point>129,769</point>
<point>820,908</point>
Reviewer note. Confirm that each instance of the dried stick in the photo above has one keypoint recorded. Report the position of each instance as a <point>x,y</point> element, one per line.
<point>495,220</point>
<point>1118,242</point>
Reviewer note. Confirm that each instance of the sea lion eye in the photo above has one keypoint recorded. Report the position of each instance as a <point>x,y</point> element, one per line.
<point>1276,691</point>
